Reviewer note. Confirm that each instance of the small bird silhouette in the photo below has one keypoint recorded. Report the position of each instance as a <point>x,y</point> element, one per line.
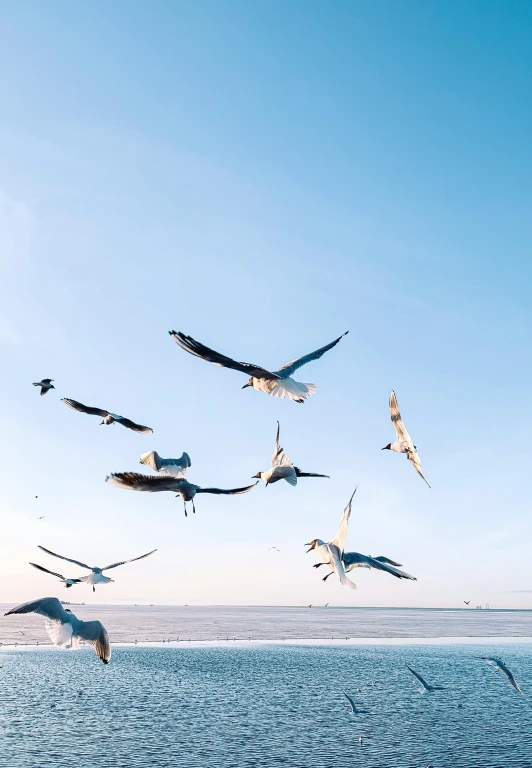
<point>467,602</point>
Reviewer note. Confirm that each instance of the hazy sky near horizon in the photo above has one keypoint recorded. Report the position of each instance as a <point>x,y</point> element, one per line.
<point>263,177</point>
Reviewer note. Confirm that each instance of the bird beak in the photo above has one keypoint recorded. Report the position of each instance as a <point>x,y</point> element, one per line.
<point>383,449</point>
<point>308,544</point>
<point>257,475</point>
<point>246,385</point>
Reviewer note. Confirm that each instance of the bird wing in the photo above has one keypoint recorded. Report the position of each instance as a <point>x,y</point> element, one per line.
<point>230,492</point>
<point>354,558</point>
<point>289,368</point>
<point>413,458</point>
<point>279,457</point>
<point>341,534</point>
<point>47,381</point>
<point>381,565</point>
<point>336,561</point>
<point>200,350</point>
<point>350,700</point>
<point>52,573</point>
<point>45,606</point>
<point>383,559</point>
<point>134,481</point>
<point>84,408</point>
<point>95,634</point>
<point>151,459</point>
<point>68,559</point>
<point>131,425</point>
<point>502,666</point>
<point>299,473</point>
<point>398,424</point>
<point>419,678</point>
<point>123,562</point>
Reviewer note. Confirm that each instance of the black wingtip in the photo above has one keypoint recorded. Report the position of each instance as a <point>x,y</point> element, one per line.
<point>172,333</point>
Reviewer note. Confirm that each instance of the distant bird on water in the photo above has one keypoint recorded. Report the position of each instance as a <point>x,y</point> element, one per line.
<point>174,467</point>
<point>499,664</point>
<point>65,629</point>
<point>45,385</point>
<point>282,468</point>
<point>67,582</point>
<point>354,708</point>
<point>404,443</point>
<point>96,576</point>
<point>426,687</point>
<point>133,481</point>
<point>275,383</point>
<point>108,418</point>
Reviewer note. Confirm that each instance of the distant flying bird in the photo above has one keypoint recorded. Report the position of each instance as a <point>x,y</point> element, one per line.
<point>41,517</point>
<point>275,383</point>
<point>353,560</point>
<point>331,553</point>
<point>174,467</point>
<point>133,481</point>
<point>96,576</point>
<point>67,582</point>
<point>354,708</point>
<point>108,418</point>
<point>65,629</point>
<point>404,443</point>
<point>426,687</point>
<point>467,602</point>
<point>278,550</point>
<point>282,468</point>
<point>45,385</point>
<point>499,664</point>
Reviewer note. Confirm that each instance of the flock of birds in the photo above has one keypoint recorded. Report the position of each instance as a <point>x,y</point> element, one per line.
<point>65,630</point>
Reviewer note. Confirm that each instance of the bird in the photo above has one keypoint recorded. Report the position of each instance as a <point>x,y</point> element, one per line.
<point>282,468</point>
<point>330,553</point>
<point>467,602</point>
<point>41,517</point>
<point>96,576</point>
<point>67,582</point>
<point>108,418</point>
<point>426,687</point>
<point>174,467</point>
<point>277,383</point>
<point>499,664</point>
<point>269,548</point>
<point>404,443</point>
<point>45,385</point>
<point>353,560</point>
<point>65,629</point>
<point>133,481</point>
<point>354,708</point>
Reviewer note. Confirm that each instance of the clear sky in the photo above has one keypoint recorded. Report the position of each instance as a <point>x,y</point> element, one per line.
<point>263,177</point>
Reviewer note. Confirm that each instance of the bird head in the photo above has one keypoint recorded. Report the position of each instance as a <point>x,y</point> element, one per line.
<point>52,386</point>
<point>386,447</point>
<point>257,475</point>
<point>311,544</point>
<point>67,610</point>
<point>249,384</point>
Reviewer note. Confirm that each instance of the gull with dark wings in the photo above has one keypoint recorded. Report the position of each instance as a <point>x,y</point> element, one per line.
<point>352,560</point>
<point>67,582</point>
<point>174,467</point>
<point>277,383</point>
<point>404,443</point>
<point>107,416</point>
<point>499,664</point>
<point>282,468</point>
<point>45,385</point>
<point>426,687</point>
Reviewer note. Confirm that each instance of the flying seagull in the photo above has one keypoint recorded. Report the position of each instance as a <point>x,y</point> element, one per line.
<point>282,468</point>
<point>404,443</point>
<point>133,481</point>
<point>65,629</point>
<point>426,687</point>
<point>174,467</point>
<point>499,664</point>
<point>331,553</point>
<point>96,576</point>
<point>467,602</point>
<point>41,517</point>
<point>67,582</point>
<point>275,383</point>
<point>354,708</point>
<point>278,550</point>
<point>108,418</point>
<point>353,560</point>
<point>45,385</point>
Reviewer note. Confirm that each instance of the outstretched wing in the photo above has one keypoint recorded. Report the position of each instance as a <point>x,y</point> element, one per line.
<point>418,677</point>
<point>413,458</point>
<point>336,561</point>
<point>381,565</point>
<point>84,408</point>
<point>279,457</point>
<point>398,424</point>
<point>45,570</point>
<point>95,634</point>
<point>123,562</point>
<point>289,368</point>
<point>200,350</point>
<point>383,559</point>
<point>68,559</point>
<point>231,492</point>
<point>134,481</point>
<point>355,558</point>
<point>502,666</point>
<point>131,425</point>
<point>45,606</point>
<point>299,473</point>
<point>341,534</point>
<point>350,700</point>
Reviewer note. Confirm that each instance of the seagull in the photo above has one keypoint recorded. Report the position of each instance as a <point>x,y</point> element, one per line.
<point>282,468</point>
<point>96,577</point>
<point>174,467</point>
<point>404,443</point>
<point>426,687</point>
<point>108,418</point>
<point>275,383</point>
<point>65,629</point>
<point>467,602</point>
<point>354,709</point>
<point>331,553</point>
<point>133,481</point>
<point>496,662</point>
<point>45,385</point>
<point>353,560</point>
<point>269,548</point>
<point>41,517</point>
<point>67,582</point>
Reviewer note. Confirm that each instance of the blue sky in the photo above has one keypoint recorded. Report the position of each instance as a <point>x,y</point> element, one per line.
<point>264,177</point>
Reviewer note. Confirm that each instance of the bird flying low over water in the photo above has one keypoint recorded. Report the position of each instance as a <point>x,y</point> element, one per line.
<point>354,708</point>
<point>467,602</point>
<point>353,560</point>
<point>282,468</point>
<point>67,582</point>
<point>174,467</point>
<point>45,385</point>
<point>426,687</point>
<point>499,664</point>
<point>108,418</point>
<point>275,383</point>
<point>133,481</point>
<point>404,443</point>
<point>65,629</point>
<point>96,576</point>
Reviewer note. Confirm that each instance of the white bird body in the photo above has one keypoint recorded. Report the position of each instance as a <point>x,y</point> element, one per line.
<point>282,468</point>
<point>174,467</point>
<point>283,388</point>
<point>330,553</point>
<point>403,443</point>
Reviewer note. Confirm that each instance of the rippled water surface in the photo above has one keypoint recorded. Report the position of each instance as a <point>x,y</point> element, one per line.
<point>275,705</point>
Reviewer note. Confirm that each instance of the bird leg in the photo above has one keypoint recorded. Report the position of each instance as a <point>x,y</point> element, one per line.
<point>317,565</point>
<point>185,507</point>
<point>93,588</point>
<point>326,577</point>
<point>193,507</point>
